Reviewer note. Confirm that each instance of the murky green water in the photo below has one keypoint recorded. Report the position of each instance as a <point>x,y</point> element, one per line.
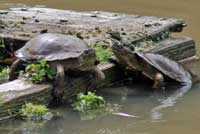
<point>174,112</point>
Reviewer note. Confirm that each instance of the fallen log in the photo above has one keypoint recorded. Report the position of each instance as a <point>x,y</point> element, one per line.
<point>18,25</point>
<point>14,94</point>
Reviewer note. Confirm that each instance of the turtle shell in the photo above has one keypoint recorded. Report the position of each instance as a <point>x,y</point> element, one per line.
<point>156,62</point>
<point>51,47</point>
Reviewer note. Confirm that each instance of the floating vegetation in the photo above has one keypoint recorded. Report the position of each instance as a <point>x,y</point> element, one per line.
<point>103,53</point>
<point>91,106</point>
<point>84,103</point>
<point>34,112</point>
<point>100,112</point>
<point>39,72</point>
<point>4,74</point>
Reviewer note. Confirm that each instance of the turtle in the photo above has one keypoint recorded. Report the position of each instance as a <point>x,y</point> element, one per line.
<point>62,53</point>
<point>154,66</point>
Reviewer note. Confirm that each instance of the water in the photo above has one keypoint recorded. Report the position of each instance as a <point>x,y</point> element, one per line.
<point>175,111</point>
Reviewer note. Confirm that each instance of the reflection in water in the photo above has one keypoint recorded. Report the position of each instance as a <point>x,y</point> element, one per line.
<point>140,101</point>
<point>169,101</point>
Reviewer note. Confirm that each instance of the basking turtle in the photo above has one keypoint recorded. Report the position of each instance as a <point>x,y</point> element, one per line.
<point>154,66</point>
<point>62,52</point>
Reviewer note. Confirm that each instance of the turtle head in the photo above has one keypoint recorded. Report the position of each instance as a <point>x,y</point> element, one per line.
<point>24,56</point>
<point>158,81</point>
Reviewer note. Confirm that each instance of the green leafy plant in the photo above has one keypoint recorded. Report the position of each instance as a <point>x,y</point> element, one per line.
<point>4,72</point>
<point>31,111</point>
<point>103,53</point>
<point>39,72</point>
<point>84,103</point>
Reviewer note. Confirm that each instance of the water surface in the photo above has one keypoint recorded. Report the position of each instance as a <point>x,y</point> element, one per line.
<point>174,111</point>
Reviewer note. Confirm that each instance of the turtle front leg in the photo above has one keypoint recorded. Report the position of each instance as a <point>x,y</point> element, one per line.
<point>58,91</point>
<point>97,76</point>
<point>15,67</point>
<point>158,81</point>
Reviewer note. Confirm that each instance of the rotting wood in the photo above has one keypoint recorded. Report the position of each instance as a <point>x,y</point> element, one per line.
<point>16,93</point>
<point>20,24</point>
<point>176,48</point>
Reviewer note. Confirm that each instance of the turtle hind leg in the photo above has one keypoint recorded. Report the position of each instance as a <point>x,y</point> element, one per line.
<point>97,76</point>
<point>158,81</point>
<point>58,90</point>
<point>15,67</point>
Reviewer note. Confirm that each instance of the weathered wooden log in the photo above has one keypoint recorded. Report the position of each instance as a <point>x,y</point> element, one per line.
<point>17,25</point>
<point>175,48</point>
<point>16,93</point>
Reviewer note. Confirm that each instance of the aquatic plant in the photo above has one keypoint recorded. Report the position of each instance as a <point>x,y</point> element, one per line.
<point>100,112</point>
<point>4,72</point>
<point>84,103</point>
<point>103,53</point>
<point>33,111</point>
<point>39,72</point>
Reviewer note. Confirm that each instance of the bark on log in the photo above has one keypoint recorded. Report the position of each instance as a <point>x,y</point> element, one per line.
<point>176,48</point>
<point>17,25</point>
